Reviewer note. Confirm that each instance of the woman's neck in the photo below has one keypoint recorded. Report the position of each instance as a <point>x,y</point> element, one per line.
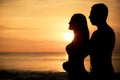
<point>77,34</point>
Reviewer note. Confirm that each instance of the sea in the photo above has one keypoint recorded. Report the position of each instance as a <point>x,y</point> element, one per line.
<point>43,61</point>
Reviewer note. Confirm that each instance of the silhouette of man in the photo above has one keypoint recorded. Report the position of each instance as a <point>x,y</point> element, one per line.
<point>101,44</point>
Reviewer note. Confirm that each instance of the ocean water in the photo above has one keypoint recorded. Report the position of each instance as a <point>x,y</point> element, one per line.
<point>43,61</point>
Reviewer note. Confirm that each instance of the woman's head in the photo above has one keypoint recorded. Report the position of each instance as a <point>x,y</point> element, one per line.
<point>78,21</point>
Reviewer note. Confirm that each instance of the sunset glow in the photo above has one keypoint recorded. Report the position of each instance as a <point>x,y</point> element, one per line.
<point>34,33</point>
<point>33,25</point>
<point>68,36</point>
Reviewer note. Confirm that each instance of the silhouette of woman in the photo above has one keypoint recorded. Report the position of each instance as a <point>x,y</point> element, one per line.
<point>76,50</point>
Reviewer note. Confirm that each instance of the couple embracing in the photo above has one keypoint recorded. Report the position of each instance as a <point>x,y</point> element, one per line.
<point>99,47</point>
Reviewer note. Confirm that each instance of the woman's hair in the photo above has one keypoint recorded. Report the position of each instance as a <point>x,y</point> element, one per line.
<point>81,19</point>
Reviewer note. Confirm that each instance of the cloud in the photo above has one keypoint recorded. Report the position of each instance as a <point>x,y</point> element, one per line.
<point>2,27</point>
<point>3,2</point>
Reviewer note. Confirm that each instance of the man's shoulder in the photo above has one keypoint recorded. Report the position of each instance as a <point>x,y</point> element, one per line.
<point>110,31</point>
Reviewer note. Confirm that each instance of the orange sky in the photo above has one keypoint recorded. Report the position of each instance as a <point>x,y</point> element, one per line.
<point>39,25</point>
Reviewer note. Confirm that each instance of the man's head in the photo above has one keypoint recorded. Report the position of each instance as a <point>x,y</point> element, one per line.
<point>98,14</point>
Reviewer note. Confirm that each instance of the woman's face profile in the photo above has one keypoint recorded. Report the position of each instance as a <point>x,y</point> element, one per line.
<point>73,25</point>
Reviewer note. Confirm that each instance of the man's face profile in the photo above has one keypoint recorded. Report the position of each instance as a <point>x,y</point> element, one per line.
<point>93,17</point>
